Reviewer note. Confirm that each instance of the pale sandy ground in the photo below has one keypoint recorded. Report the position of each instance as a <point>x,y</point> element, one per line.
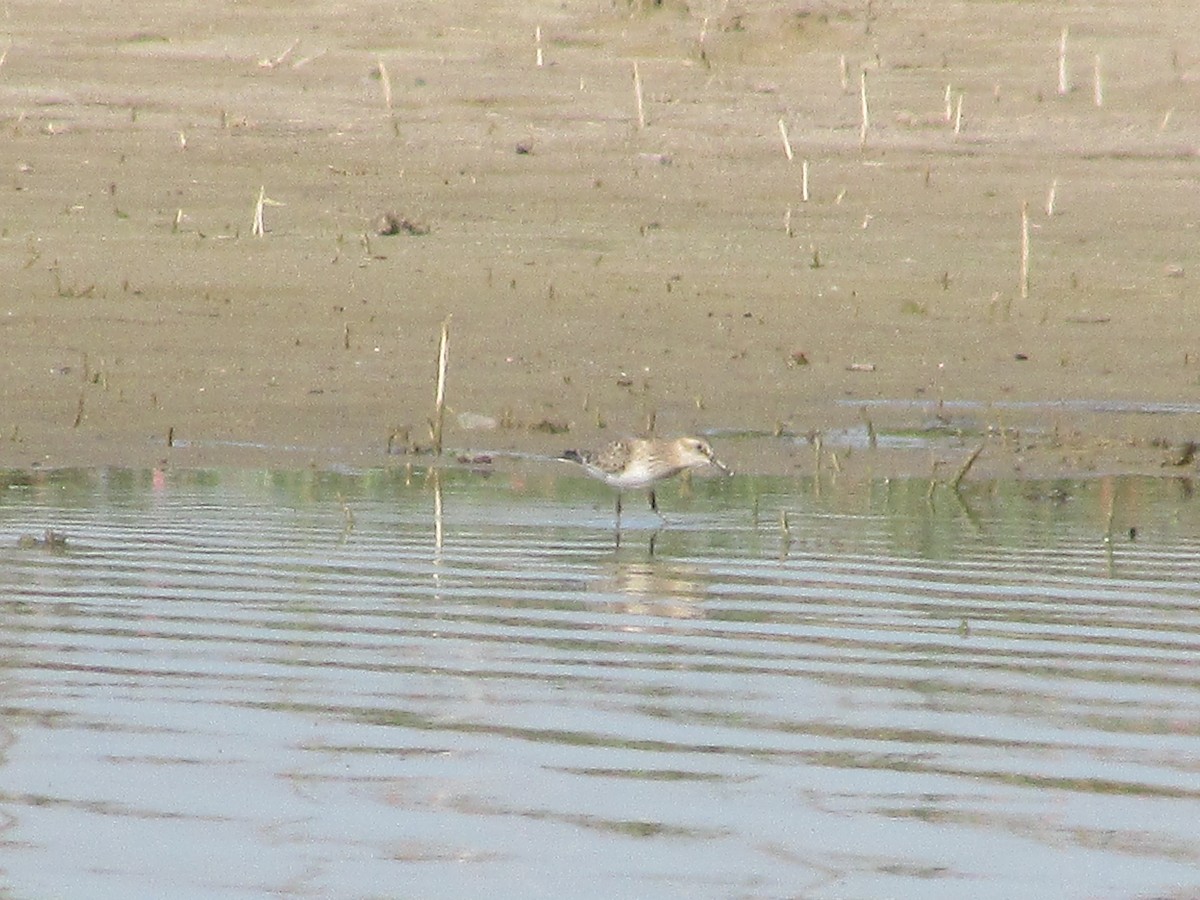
<point>610,273</point>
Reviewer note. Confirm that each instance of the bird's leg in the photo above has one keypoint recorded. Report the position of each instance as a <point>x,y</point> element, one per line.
<point>618,510</point>
<point>653,501</point>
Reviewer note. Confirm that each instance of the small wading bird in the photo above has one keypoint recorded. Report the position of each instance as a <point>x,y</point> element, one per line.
<point>633,464</point>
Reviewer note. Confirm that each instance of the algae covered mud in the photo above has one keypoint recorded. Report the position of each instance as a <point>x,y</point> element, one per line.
<point>726,247</point>
<point>251,684</point>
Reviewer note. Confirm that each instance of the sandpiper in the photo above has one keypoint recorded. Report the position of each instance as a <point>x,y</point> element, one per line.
<point>635,463</point>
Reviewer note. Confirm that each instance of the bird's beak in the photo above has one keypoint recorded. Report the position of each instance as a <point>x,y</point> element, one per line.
<point>720,465</point>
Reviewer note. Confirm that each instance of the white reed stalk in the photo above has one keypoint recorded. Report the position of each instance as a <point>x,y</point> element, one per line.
<point>958,115</point>
<point>439,403</point>
<point>537,37</point>
<point>1097,83</point>
<point>804,181</point>
<point>1050,198</point>
<point>257,229</point>
<point>866,112</point>
<point>949,106</point>
<point>1024,249</point>
<point>637,95</point>
<point>1063,87</point>
<point>787,144</point>
<point>385,82</point>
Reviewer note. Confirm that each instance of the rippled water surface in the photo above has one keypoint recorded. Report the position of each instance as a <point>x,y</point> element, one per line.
<point>230,684</point>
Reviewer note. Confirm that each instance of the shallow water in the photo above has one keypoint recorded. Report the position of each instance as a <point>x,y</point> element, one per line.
<point>232,684</point>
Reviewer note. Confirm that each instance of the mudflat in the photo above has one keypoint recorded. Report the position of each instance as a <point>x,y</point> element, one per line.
<point>739,254</point>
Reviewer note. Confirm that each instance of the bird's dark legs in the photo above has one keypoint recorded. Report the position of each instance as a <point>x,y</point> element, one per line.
<point>653,507</point>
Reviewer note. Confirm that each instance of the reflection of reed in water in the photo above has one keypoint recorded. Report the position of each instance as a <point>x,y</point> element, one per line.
<point>438,528</point>
<point>652,589</point>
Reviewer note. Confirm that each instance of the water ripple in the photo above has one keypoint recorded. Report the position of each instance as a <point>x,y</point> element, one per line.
<point>236,681</point>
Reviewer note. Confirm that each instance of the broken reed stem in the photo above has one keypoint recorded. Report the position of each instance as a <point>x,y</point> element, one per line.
<point>1062,63</point>
<point>301,63</point>
<point>637,95</point>
<point>537,39</point>
<point>385,82</point>
<point>278,61</point>
<point>1097,83</point>
<point>965,468</point>
<point>787,144</point>
<point>866,112</point>
<point>949,107</point>
<point>439,402</point>
<point>844,73</point>
<point>1024,249</point>
<point>257,229</point>
<point>787,222</point>
<point>1050,198</point>
<point>804,181</point>
<point>958,115</point>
